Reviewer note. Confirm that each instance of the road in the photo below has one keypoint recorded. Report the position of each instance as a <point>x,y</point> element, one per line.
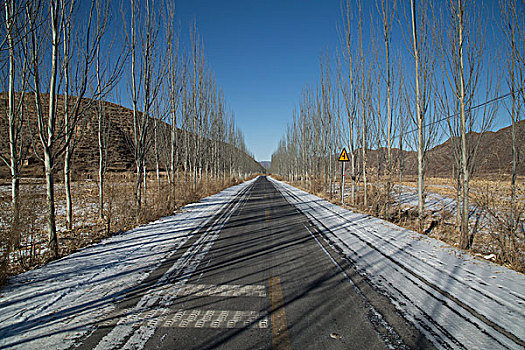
<point>258,275</point>
<point>264,265</point>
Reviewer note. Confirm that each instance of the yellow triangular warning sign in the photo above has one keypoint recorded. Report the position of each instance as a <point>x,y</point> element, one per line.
<point>344,156</point>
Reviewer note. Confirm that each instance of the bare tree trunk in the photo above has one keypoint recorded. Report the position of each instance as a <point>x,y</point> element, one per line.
<point>156,150</point>
<point>464,241</point>
<point>68,152</point>
<point>50,193</point>
<point>14,118</point>
<point>420,120</point>
<point>138,189</point>
<point>49,143</point>
<point>363,149</point>
<point>145,179</point>
<point>102,156</point>
<point>387,18</point>
<point>101,137</point>
<point>67,187</point>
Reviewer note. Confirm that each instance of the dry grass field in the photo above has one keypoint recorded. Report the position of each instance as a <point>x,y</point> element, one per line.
<point>494,236</point>
<point>25,247</point>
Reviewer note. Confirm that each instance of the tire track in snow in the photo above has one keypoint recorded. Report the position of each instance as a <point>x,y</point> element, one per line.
<point>51,307</point>
<point>134,334</point>
<point>444,296</point>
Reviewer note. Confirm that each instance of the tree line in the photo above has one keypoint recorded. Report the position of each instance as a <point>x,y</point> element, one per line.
<point>66,57</point>
<point>407,74</point>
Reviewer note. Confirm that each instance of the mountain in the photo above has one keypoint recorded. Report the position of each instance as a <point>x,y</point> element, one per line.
<point>85,157</point>
<point>265,164</point>
<point>494,154</point>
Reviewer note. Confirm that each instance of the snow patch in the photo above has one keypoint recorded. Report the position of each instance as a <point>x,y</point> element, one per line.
<point>453,298</point>
<point>55,305</point>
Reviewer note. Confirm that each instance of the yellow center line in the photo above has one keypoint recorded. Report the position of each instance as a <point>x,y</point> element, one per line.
<point>280,336</point>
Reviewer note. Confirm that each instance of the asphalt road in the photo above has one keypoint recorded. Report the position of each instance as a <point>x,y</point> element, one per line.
<point>259,275</point>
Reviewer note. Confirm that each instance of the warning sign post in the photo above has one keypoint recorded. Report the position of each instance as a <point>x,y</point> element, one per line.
<point>343,158</point>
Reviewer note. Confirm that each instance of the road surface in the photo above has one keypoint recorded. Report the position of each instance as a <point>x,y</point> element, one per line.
<point>263,265</point>
<point>258,276</point>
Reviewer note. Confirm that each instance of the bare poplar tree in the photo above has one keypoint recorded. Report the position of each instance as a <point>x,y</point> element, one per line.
<point>174,89</point>
<point>387,15</point>
<point>86,43</point>
<point>47,125</point>
<point>348,89</point>
<point>108,71</point>
<point>462,52</point>
<point>147,88</point>
<point>17,78</point>
<point>55,134</point>
<point>513,26</point>
<point>364,96</point>
<point>420,119</point>
<point>424,119</point>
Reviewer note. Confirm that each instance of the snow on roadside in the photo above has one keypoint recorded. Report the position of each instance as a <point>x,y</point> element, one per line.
<point>53,305</point>
<point>433,201</point>
<point>453,298</point>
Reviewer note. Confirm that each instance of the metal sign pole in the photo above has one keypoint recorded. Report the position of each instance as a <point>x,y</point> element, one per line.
<point>343,186</point>
<point>343,158</point>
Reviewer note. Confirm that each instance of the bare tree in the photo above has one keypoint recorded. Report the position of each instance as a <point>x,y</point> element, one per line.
<point>146,89</point>
<point>424,119</point>
<point>364,96</point>
<point>55,134</point>
<point>513,26</point>
<point>108,71</point>
<point>47,125</point>
<point>174,89</point>
<point>462,66</point>
<point>349,93</point>
<point>387,14</point>
<point>17,78</point>
<point>86,44</point>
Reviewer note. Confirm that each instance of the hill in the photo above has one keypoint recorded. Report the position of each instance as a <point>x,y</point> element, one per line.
<point>85,157</point>
<point>265,164</point>
<point>494,155</point>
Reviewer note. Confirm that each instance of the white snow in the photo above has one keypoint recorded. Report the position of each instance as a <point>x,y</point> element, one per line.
<point>51,307</point>
<point>433,201</point>
<point>456,300</point>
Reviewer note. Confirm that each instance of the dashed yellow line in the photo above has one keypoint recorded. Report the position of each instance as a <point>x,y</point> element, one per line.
<point>280,336</point>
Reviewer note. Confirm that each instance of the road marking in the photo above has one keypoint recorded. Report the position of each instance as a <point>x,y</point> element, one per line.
<point>183,268</point>
<point>223,290</point>
<point>280,336</point>
<point>216,319</point>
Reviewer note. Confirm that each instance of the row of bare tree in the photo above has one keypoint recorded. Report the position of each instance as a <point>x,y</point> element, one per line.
<point>371,98</point>
<point>69,56</point>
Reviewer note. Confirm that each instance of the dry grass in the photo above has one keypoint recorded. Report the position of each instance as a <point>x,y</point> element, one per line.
<point>25,246</point>
<point>447,186</point>
<point>492,230</point>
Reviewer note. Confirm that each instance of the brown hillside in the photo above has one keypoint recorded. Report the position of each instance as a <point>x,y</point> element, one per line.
<point>85,158</point>
<point>494,155</point>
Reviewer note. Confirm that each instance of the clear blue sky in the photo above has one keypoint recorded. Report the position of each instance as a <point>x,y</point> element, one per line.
<point>262,54</point>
